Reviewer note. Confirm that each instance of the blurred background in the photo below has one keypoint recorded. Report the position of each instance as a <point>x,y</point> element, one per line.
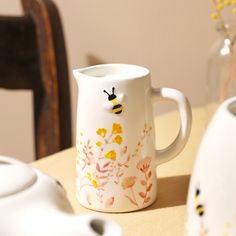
<point>171,38</point>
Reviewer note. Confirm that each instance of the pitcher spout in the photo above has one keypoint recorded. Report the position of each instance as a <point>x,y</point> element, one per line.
<point>84,73</point>
<point>77,74</point>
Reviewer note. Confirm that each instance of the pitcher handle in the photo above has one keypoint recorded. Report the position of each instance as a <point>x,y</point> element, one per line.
<point>185,112</point>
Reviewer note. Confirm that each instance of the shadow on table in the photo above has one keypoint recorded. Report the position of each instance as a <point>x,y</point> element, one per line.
<point>172,191</point>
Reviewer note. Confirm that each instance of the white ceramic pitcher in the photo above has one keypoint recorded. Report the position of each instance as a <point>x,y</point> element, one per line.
<point>212,192</point>
<point>116,154</point>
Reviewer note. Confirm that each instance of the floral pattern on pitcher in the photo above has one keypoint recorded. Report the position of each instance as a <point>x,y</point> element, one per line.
<point>143,166</point>
<point>109,166</point>
<point>128,183</point>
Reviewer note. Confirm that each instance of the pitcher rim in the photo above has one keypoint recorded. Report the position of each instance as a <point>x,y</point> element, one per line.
<point>229,106</point>
<point>138,71</point>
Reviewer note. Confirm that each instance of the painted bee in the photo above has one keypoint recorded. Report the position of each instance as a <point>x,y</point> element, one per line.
<point>199,208</point>
<point>114,102</point>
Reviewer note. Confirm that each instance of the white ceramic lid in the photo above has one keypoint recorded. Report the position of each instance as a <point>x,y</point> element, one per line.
<point>15,176</point>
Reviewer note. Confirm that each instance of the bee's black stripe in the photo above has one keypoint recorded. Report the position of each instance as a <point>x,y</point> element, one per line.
<point>117,109</point>
<point>200,209</point>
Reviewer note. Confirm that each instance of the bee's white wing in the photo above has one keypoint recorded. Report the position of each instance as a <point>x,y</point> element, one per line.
<point>107,105</point>
<point>120,97</point>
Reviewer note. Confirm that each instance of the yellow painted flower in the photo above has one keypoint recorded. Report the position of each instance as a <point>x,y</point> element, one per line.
<point>79,142</point>
<point>99,144</point>
<point>118,139</point>
<point>228,225</point>
<point>111,155</point>
<point>77,152</point>
<point>89,175</point>
<point>77,156</point>
<point>102,132</point>
<point>94,183</point>
<point>116,128</point>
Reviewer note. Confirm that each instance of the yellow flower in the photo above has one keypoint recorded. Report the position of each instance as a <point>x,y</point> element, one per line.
<point>77,152</point>
<point>111,155</point>
<point>227,2</point>
<point>219,7</point>
<point>116,128</point>
<point>99,143</point>
<point>77,156</point>
<point>89,176</point>
<point>102,132</point>
<point>214,16</point>
<point>117,139</point>
<point>94,183</point>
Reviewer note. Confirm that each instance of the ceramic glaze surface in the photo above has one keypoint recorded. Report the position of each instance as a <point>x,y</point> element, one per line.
<point>35,204</point>
<point>212,192</point>
<point>116,155</point>
<point>24,175</point>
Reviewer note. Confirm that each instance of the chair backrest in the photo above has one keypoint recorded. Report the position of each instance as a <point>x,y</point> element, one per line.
<point>33,56</point>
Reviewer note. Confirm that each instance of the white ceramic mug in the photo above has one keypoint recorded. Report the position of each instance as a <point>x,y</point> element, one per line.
<point>116,154</point>
<point>211,198</point>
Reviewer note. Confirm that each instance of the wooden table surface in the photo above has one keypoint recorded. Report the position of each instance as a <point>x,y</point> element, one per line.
<point>167,215</point>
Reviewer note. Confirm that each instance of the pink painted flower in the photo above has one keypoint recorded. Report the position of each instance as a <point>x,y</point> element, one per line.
<point>110,202</point>
<point>129,182</point>
<point>144,164</point>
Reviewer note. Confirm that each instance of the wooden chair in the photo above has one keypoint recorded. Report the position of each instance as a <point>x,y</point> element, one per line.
<point>33,56</point>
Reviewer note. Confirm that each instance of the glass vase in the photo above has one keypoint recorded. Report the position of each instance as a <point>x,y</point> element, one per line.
<point>221,68</point>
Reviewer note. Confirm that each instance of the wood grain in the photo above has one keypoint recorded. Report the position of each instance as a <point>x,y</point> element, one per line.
<point>33,56</point>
